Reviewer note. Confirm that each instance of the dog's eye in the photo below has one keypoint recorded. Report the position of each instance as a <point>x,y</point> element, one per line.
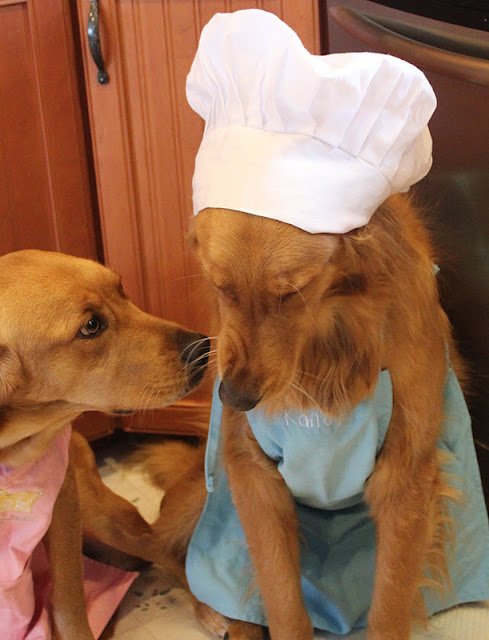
<point>92,327</point>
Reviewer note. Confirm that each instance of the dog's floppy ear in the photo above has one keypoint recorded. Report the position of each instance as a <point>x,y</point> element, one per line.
<point>10,373</point>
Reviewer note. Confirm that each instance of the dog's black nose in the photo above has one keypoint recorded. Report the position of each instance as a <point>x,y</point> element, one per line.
<point>194,353</point>
<point>236,399</point>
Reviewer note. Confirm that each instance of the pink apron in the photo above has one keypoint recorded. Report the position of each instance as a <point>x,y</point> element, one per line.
<point>27,497</point>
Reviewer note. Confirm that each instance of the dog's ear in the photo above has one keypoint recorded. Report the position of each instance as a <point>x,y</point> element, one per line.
<point>10,373</point>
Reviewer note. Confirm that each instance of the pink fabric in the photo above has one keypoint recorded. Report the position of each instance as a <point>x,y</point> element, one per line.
<point>27,497</point>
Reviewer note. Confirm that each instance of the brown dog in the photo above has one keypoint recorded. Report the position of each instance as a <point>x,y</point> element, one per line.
<point>309,321</point>
<point>71,341</point>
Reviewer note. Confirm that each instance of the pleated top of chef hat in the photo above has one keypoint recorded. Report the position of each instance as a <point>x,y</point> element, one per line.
<point>318,142</point>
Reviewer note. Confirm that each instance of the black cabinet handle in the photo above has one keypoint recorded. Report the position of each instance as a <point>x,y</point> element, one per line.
<point>94,42</point>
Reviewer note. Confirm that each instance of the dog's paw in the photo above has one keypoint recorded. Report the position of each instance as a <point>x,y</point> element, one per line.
<point>209,618</point>
<point>238,630</point>
<point>227,629</point>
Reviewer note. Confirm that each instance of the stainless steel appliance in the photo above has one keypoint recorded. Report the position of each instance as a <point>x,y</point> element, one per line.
<point>452,47</point>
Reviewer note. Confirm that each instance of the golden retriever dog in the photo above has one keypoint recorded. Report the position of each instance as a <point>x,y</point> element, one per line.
<point>309,321</point>
<point>71,341</point>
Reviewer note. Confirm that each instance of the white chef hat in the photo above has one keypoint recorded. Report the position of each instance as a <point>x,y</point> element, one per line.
<point>318,142</point>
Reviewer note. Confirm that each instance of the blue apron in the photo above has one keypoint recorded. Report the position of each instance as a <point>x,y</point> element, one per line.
<point>325,464</point>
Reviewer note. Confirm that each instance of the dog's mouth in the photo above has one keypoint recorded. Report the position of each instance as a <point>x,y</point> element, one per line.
<point>194,379</point>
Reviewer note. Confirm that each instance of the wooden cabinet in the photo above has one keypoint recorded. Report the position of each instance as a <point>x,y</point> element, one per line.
<point>45,196</point>
<point>145,137</point>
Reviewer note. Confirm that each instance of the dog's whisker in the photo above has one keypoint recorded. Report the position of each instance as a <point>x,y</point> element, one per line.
<point>143,391</point>
<point>212,360</point>
<point>192,275</point>
<point>150,395</point>
<point>189,367</point>
<point>309,375</point>
<point>203,340</point>
<point>195,345</point>
<point>305,303</point>
<point>307,395</point>
<point>207,355</point>
<point>204,356</point>
<point>145,395</point>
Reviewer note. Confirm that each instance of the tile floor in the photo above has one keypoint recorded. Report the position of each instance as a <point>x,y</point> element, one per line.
<point>155,608</point>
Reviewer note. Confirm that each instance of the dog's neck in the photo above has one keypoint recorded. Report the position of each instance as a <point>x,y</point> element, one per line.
<point>27,431</point>
<point>338,366</point>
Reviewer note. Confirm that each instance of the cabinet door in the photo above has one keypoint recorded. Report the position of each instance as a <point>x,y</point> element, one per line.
<point>45,200</point>
<point>145,137</point>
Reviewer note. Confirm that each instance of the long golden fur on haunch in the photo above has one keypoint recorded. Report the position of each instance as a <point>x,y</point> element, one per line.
<point>309,321</point>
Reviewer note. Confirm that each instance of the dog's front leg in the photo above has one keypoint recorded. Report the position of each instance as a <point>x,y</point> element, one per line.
<point>404,496</point>
<point>269,519</point>
<point>63,542</point>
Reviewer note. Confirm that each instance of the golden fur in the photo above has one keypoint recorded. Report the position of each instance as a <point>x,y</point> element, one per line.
<point>309,321</point>
<point>71,341</point>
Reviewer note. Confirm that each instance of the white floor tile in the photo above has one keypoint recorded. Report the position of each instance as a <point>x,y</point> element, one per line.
<point>136,634</point>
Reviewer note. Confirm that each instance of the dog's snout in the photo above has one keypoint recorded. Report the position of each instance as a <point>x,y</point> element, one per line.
<point>236,399</point>
<point>194,353</point>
